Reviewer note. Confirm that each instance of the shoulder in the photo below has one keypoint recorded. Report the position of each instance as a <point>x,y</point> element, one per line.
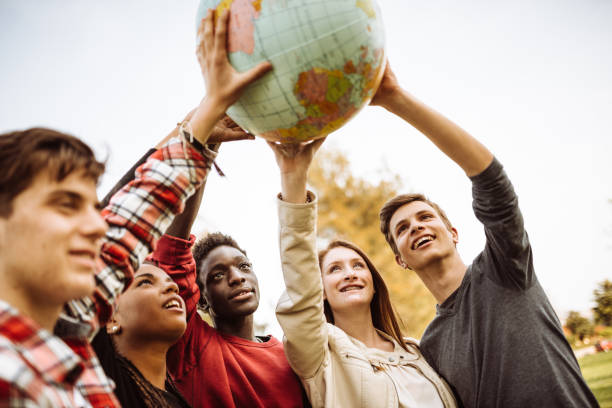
<point>13,362</point>
<point>19,382</point>
<point>14,396</point>
<point>411,341</point>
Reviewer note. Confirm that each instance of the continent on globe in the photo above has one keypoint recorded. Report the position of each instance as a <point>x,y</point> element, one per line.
<point>330,98</point>
<point>241,26</point>
<point>328,59</point>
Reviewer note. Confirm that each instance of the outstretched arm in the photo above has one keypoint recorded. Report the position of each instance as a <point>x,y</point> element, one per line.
<point>139,213</point>
<point>300,308</point>
<point>456,143</point>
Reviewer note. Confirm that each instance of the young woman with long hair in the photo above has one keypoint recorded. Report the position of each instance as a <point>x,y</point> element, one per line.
<point>342,336</point>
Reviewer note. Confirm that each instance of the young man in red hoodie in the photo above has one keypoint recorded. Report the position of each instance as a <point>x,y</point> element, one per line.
<point>225,365</point>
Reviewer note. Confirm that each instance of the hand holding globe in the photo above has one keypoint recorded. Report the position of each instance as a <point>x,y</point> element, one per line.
<point>328,60</point>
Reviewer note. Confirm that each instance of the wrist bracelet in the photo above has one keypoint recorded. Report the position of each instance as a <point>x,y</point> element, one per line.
<point>186,134</point>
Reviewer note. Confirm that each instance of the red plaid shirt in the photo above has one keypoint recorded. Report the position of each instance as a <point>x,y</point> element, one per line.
<point>41,369</point>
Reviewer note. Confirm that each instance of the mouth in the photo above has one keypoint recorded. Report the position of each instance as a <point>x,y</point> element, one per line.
<point>351,288</point>
<point>424,240</point>
<point>242,294</point>
<point>84,253</point>
<point>173,304</point>
<point>84,257</point>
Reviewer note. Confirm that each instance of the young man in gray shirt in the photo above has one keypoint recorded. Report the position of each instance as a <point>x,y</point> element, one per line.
<point>495,338</point>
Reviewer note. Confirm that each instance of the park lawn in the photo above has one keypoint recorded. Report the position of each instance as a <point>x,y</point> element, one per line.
<point>597,371</point>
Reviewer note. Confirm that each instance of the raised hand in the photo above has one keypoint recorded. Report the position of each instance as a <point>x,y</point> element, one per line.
<point>471,155</point>
<point>224,84</point>
<point>293,162</point>
<point>387,90</point>
<point>226,130</point>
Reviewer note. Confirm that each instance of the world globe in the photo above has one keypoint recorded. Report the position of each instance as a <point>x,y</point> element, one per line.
<point>328,58</point>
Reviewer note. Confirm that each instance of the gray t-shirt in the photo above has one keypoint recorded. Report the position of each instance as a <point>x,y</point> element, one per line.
<point>497,340</point>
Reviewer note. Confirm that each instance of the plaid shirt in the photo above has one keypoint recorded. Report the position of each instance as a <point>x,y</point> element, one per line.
<point>41,369</point>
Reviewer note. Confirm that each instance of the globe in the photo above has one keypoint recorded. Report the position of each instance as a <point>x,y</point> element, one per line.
<point>328,58</point>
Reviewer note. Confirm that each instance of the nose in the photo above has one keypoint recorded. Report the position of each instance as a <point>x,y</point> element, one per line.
<point>349,275</point>
<point>415,228</point>
<point>94,226</point>
<point>171,287</point>
<point>236,277</point>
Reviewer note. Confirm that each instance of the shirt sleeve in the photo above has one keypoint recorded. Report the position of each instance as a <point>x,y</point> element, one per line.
<point>126,178</point>
<point>507,257</point>
<point>174,256</point>
<point>137,216</point>
<point>300,308</point>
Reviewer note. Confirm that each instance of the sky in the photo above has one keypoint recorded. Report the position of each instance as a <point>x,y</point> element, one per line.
<point>532,80</point>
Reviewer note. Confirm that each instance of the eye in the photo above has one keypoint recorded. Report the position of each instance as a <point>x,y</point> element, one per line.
<point>334,268</point>
<point>217,276</point>
<point>359,265</point>
<point>144,281</point>
<point>245,266</point>
<point>401,229</point>
<point>426,216</point>
<point>67,205</point>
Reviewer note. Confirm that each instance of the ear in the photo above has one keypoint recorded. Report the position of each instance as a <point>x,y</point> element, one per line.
<point>324,295</point>
<point>204,304</point>
<point>401,263</point>
<point>113,326</point>
<point>454,235</point>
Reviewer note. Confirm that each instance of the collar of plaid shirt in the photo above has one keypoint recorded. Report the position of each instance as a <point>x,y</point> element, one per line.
<point>66,363</point>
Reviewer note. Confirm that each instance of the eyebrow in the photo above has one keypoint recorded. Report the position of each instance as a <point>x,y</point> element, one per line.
<point>358,259</point>
<point>54,195</point>
<point>234,259</point>
<point>70,194</point>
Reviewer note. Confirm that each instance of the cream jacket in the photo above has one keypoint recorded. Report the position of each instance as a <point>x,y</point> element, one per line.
<point>331,366</point>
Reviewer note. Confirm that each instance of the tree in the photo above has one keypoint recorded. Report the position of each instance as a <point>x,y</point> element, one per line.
<point>348,209</point>
<point>579,325</point>
<point>603,299</point>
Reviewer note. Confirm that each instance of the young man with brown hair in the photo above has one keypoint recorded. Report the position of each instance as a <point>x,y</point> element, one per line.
<point>62,263</point>
<point>495,338</point>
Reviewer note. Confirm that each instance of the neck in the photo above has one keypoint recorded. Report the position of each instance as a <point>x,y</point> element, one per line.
<point>240,327</point>
<point>148,357</point>
<point>443,276</point>
<point>45,315</point>
<point>358,324</point>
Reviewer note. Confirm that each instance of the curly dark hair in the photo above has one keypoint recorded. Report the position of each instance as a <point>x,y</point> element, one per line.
<point>200,251</point>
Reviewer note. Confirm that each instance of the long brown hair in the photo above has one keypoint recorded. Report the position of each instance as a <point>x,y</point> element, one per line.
<point>383,314</point>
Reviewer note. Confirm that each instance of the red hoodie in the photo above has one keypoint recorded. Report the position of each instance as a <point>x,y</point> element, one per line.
<point>212,369</point>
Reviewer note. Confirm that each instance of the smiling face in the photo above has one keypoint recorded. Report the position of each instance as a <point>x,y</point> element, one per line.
<point>347,281</point>
<point>421,236</point>
<point>230,286</point>
<point>151,308</point>
<point>50,242</point>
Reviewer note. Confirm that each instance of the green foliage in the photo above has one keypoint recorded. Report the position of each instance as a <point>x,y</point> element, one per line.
<point>579,325</point>
<point>603,299</point>
<point>597,371</point>
<point>606,333</point>
<point>348,209</point>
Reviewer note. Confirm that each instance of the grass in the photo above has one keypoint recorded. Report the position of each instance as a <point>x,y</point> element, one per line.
<point>597,371</point>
